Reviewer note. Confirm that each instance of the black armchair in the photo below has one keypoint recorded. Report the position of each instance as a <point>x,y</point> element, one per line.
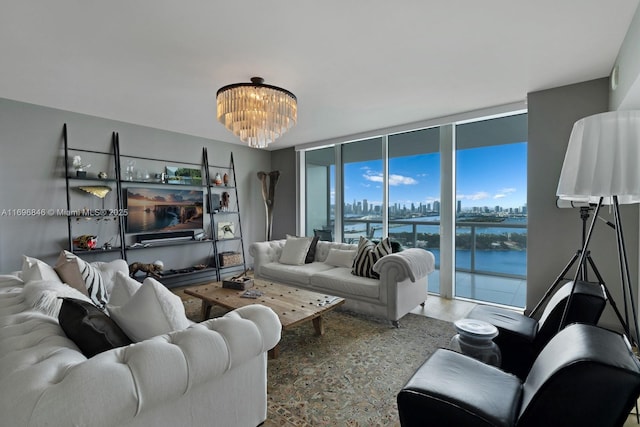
<point>585,376</point>
<point>521,338</point>
<point>323,234</point>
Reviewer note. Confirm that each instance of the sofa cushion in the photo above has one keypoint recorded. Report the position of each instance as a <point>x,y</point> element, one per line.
<point>89,328</point>
<point>295,250</point>
<point>34,269</point>
<point>311,253</point>
<point>340,257</point>
<point>152,310</point>
<point>292,274</point>
<point>345,283</point>
<point>124,287</point>
<point>367,255</point>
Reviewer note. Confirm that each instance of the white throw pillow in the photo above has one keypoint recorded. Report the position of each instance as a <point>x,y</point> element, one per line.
<point>34,269</point>
<point>153,310</point>
<point>340,257</point>
<point>124,287</point>
<point>295,250</point>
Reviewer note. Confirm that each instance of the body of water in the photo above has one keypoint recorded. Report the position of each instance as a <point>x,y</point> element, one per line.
<point>511,262</point>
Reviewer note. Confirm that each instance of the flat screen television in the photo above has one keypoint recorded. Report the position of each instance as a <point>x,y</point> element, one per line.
<point>163,209</point>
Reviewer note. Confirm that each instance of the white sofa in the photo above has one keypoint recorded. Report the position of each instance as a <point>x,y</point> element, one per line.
<point>402,285</point>
<point>211,374</point>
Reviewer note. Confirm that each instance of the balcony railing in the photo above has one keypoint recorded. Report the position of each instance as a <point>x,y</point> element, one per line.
<point>499,250</point>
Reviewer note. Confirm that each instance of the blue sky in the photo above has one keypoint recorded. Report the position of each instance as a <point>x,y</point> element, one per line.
<point>487,176</point>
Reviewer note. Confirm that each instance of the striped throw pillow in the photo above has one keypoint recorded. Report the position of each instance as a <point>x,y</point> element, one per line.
<point>76,272</point>
<point>367,254</point>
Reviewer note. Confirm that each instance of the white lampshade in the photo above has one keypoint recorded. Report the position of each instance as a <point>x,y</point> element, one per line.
<point>603,159</point>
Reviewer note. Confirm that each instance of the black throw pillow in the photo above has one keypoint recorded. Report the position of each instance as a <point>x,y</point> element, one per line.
<point>311,253</point>
<point>89,328</point>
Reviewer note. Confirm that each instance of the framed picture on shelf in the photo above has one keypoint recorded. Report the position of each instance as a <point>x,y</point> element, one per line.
<point>184,176</point>
<point>163,209</point>
<point>226,230</point>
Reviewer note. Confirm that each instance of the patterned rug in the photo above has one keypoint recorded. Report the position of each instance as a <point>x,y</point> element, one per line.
<point>351,375</point>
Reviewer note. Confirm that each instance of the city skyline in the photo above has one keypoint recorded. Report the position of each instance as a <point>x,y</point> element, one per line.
<point>487,177</point>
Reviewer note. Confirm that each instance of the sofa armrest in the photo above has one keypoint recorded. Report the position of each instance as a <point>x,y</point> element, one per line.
<point>131,380</point>
<point>412,264</point>
<point>265,252</point>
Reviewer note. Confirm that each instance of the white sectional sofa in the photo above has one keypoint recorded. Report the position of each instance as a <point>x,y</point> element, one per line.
<point>210,374</point>
<point>402,285</point>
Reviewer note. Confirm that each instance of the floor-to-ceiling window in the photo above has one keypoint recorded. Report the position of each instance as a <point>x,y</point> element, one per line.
<point>320,188</point>
<point>414,192</point>
<point>362,189</point>
<point>396,185</point>
<point>491,210</point>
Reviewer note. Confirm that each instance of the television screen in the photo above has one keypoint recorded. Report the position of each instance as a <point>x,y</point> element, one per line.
<point>163,209</point>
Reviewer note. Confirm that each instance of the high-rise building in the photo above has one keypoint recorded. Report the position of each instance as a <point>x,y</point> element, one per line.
<point>459,208</point>
<point>436,206</point>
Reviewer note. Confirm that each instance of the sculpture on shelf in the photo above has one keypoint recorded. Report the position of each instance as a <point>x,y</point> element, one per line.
<point>152,269</point>
<point>80,167</point>
<point>268,194</point>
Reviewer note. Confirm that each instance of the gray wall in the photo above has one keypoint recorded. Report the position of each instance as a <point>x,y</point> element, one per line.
<point>284,212</point>
<point>32,177</point>
<point>555,234</point>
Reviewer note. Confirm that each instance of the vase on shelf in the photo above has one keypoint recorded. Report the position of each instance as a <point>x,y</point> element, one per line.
<point>225,179</point>
<point>217,180</point>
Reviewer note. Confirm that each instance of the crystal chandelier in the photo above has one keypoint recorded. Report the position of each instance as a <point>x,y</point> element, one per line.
<point>256,113</point>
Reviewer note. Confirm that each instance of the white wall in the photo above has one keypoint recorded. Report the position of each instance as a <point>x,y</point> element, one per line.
<point>32,177</point>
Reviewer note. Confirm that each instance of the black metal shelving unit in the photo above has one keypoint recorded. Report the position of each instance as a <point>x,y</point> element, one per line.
<point>171,277</point>
<point>217,215</point>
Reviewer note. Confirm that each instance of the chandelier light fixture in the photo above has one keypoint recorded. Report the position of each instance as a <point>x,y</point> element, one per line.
<point>256,113</point>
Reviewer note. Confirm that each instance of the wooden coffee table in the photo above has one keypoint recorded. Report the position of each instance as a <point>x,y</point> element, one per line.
<point>292,305</point>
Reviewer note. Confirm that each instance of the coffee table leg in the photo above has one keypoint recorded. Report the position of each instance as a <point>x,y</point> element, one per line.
<point>205,312</point>
<point>318,325</point>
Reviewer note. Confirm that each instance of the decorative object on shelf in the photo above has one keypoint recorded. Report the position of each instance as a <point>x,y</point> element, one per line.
<point>107,245</point>
<point>130,172</point>
<point>230,258</point>
<point>99,191</point>
<point>601,167</point>
<point>102,175</point>
<point>152,269</point>
<point>268,195</point>
<point>256,113</point>
<point>226,230</point>
<point>86,242</point>
<point>185,176</point>
<point>216,179</point>
<point>215,203</point>
<point>224,204</point>
<point>80,167</point>
<point>225,179</point>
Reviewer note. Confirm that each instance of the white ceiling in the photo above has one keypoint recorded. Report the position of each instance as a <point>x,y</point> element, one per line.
<point>354,65</point>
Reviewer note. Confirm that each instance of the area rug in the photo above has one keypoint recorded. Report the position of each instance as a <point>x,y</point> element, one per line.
<point>351,375</point>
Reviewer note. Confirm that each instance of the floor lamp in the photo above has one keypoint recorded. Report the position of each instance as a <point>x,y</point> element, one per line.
<point>601,166</point>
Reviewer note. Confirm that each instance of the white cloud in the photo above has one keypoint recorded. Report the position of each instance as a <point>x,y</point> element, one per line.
<point>507,190</point>
<point>480,195</point>
<point>401,180</point>
<point>499,196</point>
<point>393,179</point>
